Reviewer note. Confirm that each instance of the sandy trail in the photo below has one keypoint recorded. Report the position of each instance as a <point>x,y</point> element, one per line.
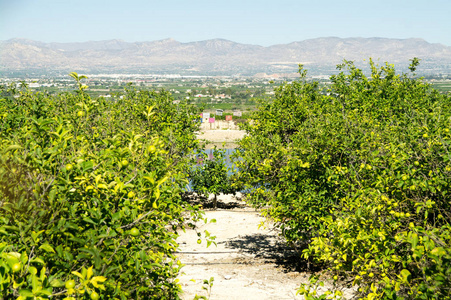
<point>248,262</point>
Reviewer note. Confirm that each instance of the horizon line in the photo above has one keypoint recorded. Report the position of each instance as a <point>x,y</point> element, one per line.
<point>221,39</point>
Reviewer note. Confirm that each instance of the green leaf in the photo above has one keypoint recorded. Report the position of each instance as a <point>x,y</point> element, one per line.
<point>95,281</point>
<point>56,283</point>
<point>405,275</point>
<point>90,273</point>
<point>162,180</point>
<point>13,147</point>
<point>78,274</point>
<point>46,247</point>
<point>32,270</point>
<point>439,251</point>
<point>413,239</point>
<point>38,260</point>
<point>26,293</point>
<point>157,193</point>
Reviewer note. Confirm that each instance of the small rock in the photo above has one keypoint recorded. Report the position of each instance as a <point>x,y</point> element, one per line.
<point>227,277</point>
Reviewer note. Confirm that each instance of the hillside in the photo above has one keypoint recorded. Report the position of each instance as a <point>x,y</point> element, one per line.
<point>218,56</point>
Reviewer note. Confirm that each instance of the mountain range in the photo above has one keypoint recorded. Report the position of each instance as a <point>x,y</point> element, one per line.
<point>219,56</point>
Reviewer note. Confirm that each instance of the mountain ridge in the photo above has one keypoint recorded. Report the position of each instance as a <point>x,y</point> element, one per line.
<point>216,56</point>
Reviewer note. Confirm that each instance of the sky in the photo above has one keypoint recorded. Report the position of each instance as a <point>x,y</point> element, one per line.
<point>255,22</point>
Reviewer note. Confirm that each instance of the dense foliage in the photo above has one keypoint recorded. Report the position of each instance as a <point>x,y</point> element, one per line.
<point>90,194</point>
<point>359,174</point>
<point>211,176</point>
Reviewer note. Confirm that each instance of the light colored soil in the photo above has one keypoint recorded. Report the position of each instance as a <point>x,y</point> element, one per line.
<point>218,137</point>
<point>247,263</point>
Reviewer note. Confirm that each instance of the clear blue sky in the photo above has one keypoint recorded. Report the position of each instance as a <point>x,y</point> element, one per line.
<point>245,21</point>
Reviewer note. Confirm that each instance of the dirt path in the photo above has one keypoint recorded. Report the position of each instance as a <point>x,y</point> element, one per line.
<point>248,262</point>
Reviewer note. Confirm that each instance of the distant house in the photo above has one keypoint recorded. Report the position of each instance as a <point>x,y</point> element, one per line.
<point>223,96</point>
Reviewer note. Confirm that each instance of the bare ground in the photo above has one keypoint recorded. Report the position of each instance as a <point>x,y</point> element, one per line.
<point>248,262</point>
<point>220,137</point>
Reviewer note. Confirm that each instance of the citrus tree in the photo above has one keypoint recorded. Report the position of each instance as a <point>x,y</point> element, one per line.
<point>90,194</point>
<point>212,176</point>
<point>358,175</point>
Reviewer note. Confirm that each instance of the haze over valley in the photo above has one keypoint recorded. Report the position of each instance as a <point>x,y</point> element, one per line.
<point>218,56</point>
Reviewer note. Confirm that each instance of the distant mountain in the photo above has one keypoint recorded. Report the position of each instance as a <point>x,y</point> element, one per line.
<point>219,56</point>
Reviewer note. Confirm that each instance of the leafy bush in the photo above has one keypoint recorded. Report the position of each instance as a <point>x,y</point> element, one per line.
<point>90,194</point>
<point>212,176</point>
<point>360,173</point>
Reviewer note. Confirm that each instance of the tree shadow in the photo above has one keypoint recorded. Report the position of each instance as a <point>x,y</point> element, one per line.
<point>195,199</point>
<point>209,204</point>
<point>267,247</point>
<point>272,249</point>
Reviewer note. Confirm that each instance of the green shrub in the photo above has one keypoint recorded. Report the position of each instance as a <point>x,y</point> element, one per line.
<point>212,176</point>
<point>90,194</point>
<point>360,173</point>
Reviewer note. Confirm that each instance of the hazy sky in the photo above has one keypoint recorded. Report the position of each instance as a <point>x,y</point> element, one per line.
<point>246,21</point>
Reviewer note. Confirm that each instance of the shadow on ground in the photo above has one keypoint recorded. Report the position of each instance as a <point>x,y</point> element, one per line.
<point>272,250</point>
<point>269,248</point>
<point>206,203</point>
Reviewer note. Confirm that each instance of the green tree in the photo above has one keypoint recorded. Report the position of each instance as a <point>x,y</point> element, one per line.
<point>358,175</point>
<point>212,177</point>
<point>90,194</point>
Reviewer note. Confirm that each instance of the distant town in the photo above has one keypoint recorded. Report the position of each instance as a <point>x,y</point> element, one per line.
<point>212,92</point>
